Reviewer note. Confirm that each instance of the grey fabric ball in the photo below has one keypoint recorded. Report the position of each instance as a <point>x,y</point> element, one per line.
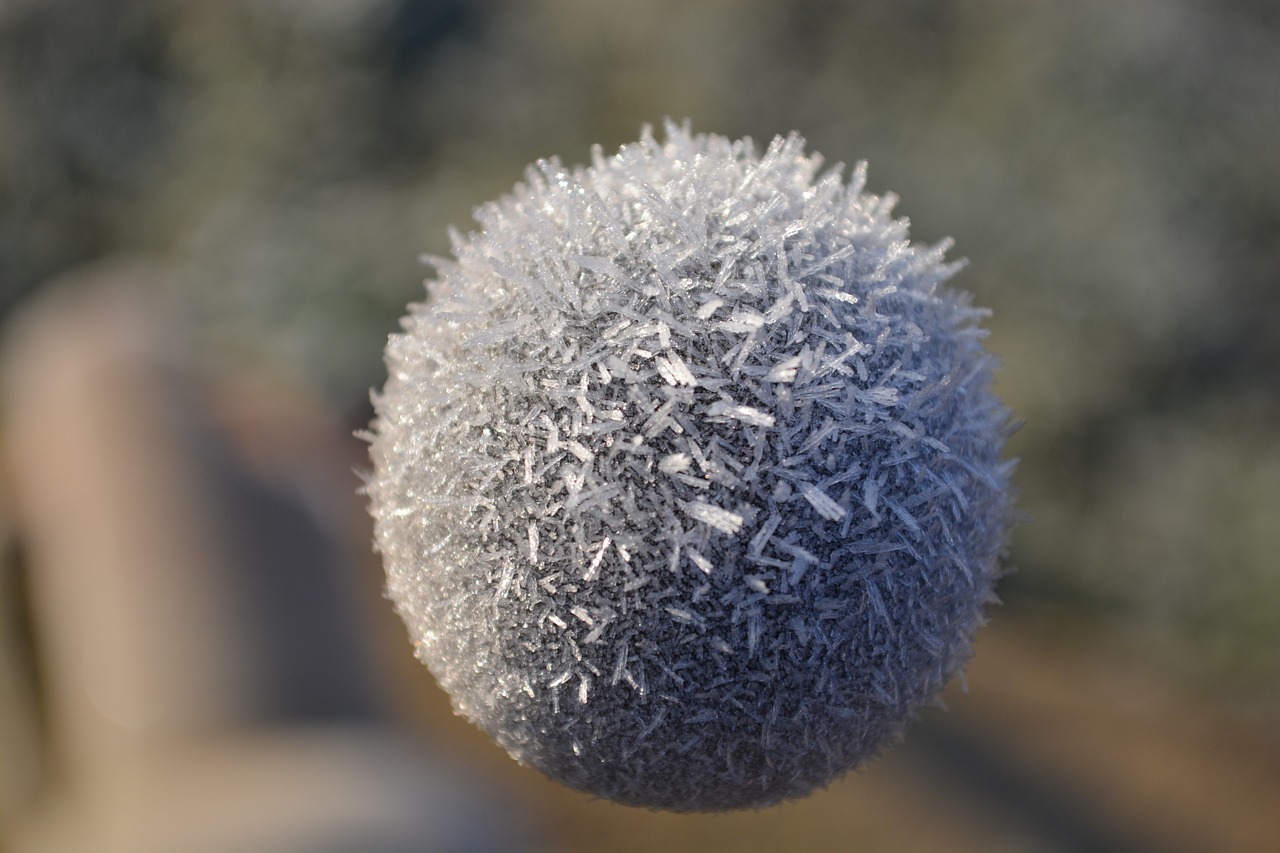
<point>688,476</point>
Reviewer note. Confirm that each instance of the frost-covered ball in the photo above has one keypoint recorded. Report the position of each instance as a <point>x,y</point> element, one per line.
<point>688,475</point>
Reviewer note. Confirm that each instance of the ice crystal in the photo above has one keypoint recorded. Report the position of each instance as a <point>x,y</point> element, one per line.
<point>688,476</point>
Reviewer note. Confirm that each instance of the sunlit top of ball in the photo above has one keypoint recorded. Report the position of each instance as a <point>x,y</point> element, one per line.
<point>687,476</point>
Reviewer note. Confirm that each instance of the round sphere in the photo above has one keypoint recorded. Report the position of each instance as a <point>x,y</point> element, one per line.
<point>687,476</point>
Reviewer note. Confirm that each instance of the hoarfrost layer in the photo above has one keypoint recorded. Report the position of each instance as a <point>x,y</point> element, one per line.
<point>687,476</point>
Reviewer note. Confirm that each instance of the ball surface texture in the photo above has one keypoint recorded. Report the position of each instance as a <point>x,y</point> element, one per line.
<point>687,476</point>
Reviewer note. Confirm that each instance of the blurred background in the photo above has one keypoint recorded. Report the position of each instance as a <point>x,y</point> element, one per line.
<point>211,216</point>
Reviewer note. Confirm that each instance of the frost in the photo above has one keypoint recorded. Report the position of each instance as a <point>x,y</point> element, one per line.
<point>687,475</point>
<point>704,565</point>
<point>596,560</point>
<point>822,504</point>
<point>675,463</point>
<point>714,516</point>
<point>726,410</point>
